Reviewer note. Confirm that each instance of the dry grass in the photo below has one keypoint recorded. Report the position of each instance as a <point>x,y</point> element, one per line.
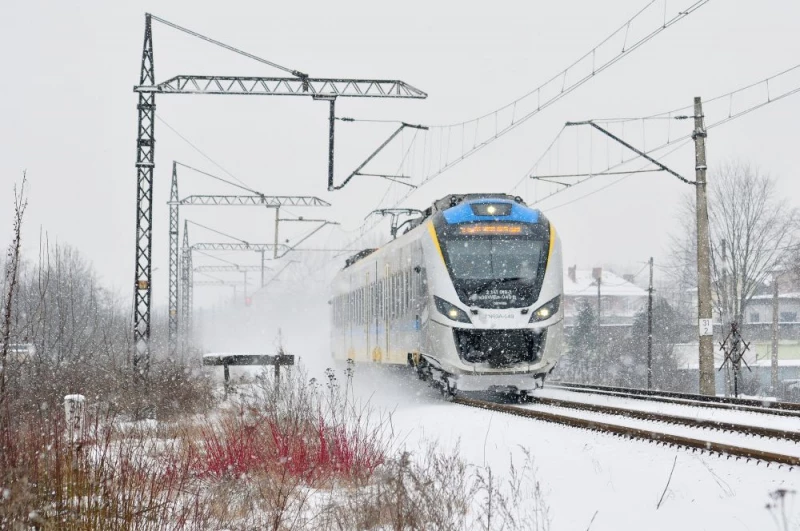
<point>294,455</point>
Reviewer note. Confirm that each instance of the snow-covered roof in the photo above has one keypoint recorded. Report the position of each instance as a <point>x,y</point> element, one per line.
<point>611,285</point>
<point>792,295</point>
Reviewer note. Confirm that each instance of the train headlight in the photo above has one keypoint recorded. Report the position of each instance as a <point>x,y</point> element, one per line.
<point>547,311</point>
<point>450,311</point>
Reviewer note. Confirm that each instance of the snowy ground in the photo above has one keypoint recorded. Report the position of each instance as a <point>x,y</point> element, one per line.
<point>591,481</point>
<point>721,415</point>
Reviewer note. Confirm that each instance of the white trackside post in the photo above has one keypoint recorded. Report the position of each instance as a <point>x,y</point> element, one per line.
<point>75,409</point>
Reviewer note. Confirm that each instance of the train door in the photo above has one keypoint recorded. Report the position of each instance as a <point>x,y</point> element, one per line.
<point>417,304</point>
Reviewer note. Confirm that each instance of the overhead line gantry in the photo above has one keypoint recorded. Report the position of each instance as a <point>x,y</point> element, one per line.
<point>255,199</point>
<point>299,84</point>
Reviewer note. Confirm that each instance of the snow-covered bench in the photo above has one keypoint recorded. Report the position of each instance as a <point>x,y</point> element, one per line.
<point>226,359</point>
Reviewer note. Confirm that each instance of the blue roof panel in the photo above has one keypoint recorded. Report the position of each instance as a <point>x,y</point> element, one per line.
<point>463,213</point>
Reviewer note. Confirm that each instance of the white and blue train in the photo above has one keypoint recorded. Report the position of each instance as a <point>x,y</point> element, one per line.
<point>470,295</point>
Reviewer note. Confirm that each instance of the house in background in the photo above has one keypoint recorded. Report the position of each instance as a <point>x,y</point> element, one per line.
<point>759,309</point>
<point>620,299</point>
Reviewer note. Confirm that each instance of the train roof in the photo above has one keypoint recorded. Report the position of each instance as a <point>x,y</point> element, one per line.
<point>452,200</point>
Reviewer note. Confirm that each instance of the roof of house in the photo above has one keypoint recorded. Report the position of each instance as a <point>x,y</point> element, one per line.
<point>611,285</point>
<point>780,296</point>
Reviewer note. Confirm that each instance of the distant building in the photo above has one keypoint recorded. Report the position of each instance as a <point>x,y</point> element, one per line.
<point>620,299</point>
<point>759,309</point>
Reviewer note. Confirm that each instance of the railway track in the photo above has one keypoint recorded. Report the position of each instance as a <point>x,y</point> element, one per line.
<point>649,435</point>
<point>693,422</point>
<point>776,408</point>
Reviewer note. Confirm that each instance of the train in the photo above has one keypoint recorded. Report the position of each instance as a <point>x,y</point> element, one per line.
<point>469,296</point>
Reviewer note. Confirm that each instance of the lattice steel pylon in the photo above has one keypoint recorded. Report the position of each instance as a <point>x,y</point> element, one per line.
<point>300,84</point>
<point>173,265</point>
<point>145,163</point>
<point>186,289</point>
<point>256,199</point>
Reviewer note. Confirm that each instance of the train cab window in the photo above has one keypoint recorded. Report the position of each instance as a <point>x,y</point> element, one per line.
<point>494,258</point>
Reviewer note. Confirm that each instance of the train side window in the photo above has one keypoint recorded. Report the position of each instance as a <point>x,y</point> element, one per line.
<point>393,299</point>
<point>399,283</point>
<point>391,302</point>
<point>402,293</point>
<point>382,298</point>
<point>362,311</point>
<point>395,296</point>
<point>406,287</point>
<point>378,299</point>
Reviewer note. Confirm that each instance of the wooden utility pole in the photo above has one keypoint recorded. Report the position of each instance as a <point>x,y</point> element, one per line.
<point>775,314</point>
<point>704,305</point>
<point>650,329</point>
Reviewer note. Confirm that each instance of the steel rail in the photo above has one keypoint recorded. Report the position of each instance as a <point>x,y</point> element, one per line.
<point>635,433</point>
<point>785,409</point>
<point>743,429</point>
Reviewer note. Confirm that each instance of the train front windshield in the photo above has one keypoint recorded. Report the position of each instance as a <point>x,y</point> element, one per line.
<point>495,269</point>
<point>494,258</point>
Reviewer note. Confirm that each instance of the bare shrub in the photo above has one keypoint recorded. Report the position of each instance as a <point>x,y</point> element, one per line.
<point>517,502</point>
<point>105,482</point>
<point>427,491</point>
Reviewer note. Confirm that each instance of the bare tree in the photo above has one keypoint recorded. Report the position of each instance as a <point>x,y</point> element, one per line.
<point>11,279</point>
<point>9,294</point>
<point>751,230</point>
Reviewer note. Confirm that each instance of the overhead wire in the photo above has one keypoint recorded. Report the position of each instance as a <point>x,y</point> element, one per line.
<point>565,89</point>
<point>200,151</point>
<point>682,140</point>
<point>228,47</point>
<point>220,179</point>
<point>561,77</point>
<point>219,232</point>
<point>666,115</point>
<point>618,180</point>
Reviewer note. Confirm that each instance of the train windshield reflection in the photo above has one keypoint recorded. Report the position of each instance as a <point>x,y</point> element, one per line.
<point>493,258</point>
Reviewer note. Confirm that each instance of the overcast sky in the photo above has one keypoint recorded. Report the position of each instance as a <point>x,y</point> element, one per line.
<point>69,112</point>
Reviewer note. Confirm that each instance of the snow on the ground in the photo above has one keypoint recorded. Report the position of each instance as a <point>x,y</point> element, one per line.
<point>775,445</point>
<point>720,415</point>
<point>591,480</point>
